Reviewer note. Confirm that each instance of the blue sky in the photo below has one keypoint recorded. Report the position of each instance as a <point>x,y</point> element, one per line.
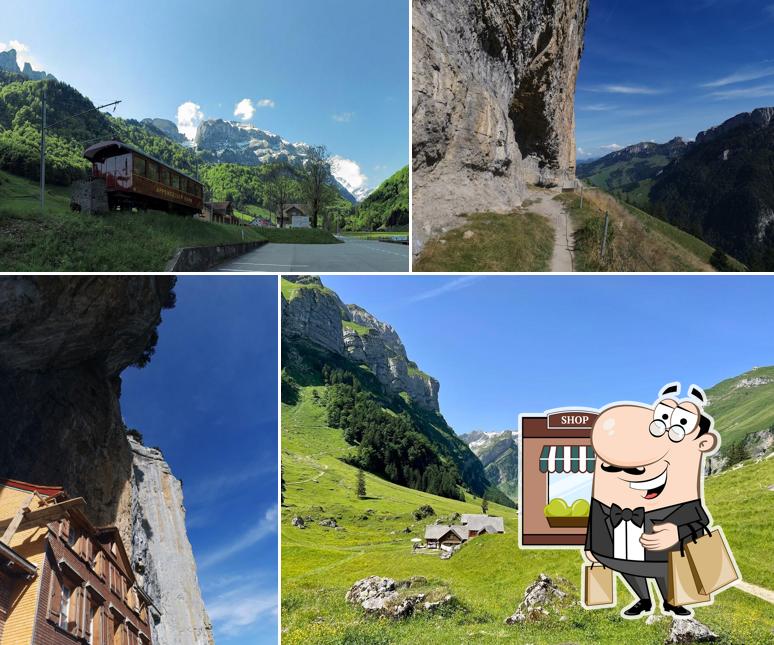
<point>332,72</point>
<point>503,345</point>
<point>208,398</point>
<point>659,69</point>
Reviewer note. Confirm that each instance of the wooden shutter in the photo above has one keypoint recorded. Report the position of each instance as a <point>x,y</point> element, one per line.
<point>54,599</point>
<point>64,529</point>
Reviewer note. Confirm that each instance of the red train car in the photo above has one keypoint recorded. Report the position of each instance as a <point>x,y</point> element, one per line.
<point>136,180</point>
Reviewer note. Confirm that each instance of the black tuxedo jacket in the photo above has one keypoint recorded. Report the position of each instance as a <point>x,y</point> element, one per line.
<point>690,517</point>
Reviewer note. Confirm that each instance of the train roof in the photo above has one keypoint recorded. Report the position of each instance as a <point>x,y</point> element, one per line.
<point>105,149</point>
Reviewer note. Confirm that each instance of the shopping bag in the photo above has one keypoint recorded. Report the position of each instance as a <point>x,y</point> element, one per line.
<point>682,587</point>
<point>597,585</point>
<point>711,562</point>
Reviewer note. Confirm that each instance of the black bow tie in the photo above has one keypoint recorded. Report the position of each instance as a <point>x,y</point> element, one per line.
<point>618,515</point>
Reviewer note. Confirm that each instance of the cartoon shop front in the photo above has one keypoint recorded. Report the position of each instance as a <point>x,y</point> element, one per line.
<point>557,466</point>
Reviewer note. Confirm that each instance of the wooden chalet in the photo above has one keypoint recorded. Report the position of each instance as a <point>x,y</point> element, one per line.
<point>221,213</point>
<point>481,524</point>
<point>63,580</point>
<point>438,535</point>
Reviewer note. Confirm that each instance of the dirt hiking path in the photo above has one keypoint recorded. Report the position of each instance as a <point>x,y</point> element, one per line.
<point>542,203</point>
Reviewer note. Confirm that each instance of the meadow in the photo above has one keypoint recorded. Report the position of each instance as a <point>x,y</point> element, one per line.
<point>488,575</point>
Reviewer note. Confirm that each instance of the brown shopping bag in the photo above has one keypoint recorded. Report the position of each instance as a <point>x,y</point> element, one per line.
<point>682,588</point>
<point>597,585</point>
<point>711,562</point>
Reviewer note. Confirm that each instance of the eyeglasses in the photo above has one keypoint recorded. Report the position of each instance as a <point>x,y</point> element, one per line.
<point>658,428</point>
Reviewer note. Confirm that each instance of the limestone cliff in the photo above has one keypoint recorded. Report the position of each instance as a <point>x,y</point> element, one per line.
<point>315,313</point>
<point>63,343</point>
<point>493,103</point>
<point>161,553</point>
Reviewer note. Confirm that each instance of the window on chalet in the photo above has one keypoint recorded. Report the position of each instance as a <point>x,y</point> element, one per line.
<point>72,536</point>
<point>152,171</point>
<point>139,165</point>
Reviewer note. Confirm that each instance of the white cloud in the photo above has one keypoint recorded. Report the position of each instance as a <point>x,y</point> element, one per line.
<point>452,285</point>
<point>189,117</point>
<point>245,110</point>
<point>266,526</point>
<point>759,91</point>
<point>626,89</point>
<point>598,107</point>
<point>348,173</point>
<point>22,54</point>
<point>232,612</point>
<point>266,103</point>
<point>343,117</point>
<point>741,77</point>
<point>612,146</point>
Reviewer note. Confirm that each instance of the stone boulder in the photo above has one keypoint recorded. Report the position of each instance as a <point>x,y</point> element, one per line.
<point>298,522</point>
<point>328,523</point>
<point>540,598</point>
<point>389,598</point>
<point>690,630</point>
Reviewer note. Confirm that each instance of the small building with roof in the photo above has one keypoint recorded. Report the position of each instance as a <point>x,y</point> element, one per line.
<point>438,535</point>
<point>480,524</point>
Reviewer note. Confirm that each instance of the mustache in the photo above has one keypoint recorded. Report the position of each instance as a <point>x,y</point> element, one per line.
<point>609,468</point>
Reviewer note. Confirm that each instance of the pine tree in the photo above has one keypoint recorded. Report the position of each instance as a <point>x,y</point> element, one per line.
<point>361,484</point>
<point>484,506</point>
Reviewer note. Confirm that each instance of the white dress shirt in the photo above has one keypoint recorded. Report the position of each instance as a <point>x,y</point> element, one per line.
<point>626,542</point>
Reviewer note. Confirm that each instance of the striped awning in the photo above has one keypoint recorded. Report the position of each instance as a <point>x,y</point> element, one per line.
<point>567,459</point>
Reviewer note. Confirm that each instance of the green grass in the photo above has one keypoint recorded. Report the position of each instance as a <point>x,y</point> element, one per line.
<point>374,235</point>
<point>515,242</point>
<point>360,330</point>
<point>488,576</point>
<point>635,241</point>
<point>63,241</point>
<point>740,410</point>
<point>291,289</point>
<point>298,236</point>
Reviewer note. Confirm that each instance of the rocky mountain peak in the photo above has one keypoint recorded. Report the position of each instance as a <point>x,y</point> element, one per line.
<point>9,63</point>
<point>167,128</point>
<point>758,118</point>
<point>316,315</point>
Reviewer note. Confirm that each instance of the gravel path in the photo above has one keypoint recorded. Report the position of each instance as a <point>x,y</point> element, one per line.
<point>755,590</point>
<point>544,204</point>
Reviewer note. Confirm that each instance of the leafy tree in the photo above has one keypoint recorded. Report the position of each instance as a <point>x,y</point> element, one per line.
<point>484,506</point>
<point>361,484</point>
<point>316,177</point>
<point>281,190</point>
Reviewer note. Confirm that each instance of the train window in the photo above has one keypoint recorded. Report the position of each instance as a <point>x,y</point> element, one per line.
<point>153,171</point>
<point>188,186</point>
<point>164,175</point>
<point>175,181</point>
<point>139,166</point>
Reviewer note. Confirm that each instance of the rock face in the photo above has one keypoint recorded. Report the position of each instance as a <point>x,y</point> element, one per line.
<point>167,128</point>
<point>161,552</point>
<point>9,63</point>
<point>760,118</point>
<point>318,315</point>
<point>63,343</point>
<point>493,103</point>
<point>756,445</point>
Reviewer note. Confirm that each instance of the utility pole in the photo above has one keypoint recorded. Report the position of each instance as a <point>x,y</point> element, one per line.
<point>43,153</point>
<point>43,126</point>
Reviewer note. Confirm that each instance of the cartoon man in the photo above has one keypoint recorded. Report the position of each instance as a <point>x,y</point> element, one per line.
<point>647,489</point>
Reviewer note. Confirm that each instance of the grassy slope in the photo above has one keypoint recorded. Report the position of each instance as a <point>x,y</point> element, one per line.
<point>488,575</point>
<point>739,411</point>
<point>63,241</point>
<point>516,242</point>
<point>639,242</point>
<point>632,178</point>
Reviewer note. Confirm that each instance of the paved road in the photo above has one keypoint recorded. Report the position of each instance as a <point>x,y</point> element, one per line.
<point>356,256</point>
